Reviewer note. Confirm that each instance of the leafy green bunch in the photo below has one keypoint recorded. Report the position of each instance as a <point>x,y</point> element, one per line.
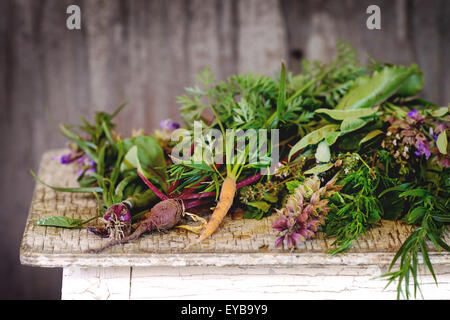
<point>116,162</point>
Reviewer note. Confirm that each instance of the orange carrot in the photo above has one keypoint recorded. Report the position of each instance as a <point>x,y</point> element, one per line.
<point>225,201</point>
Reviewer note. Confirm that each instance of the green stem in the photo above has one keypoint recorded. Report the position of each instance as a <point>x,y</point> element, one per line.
<point>311,82</point>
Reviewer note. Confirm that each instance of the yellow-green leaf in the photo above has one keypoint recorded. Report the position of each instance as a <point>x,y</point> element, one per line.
<point>60,221</point>
<point>331,137</point>
<point>442,142</point>
<point>440,112</point>
<point>352,124</point>
<point>344,114</point>
<point>370,135</point>
<point>323,153</point>
<point>261,205</point>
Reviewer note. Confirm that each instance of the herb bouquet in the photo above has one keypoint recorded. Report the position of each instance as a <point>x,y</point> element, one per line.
<point>339,148</point>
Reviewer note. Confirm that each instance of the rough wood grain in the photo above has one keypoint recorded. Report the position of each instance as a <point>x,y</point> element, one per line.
<point>237,242</point>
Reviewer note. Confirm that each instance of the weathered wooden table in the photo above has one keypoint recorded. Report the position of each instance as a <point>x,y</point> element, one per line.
<point>237,262</point>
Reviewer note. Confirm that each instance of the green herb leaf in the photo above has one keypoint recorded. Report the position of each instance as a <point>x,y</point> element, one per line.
<point>440,112</point>
<point>323,153</point>
<point>344,114</point>
<point>411,86</point>
<point>319,168</point>
<point>63,189</point>
<point>292,185</point>
<point>370,136</point>
<point>352,124</point>
<point>331,137</point>
<point>281,101</point>
<point>414,193</point>
<point>373,91</point>
<point>415,215</point>
<point>270,197</point>
<point>60,221</point>
<point>313,138</point>
<point>261,205</point>
<point>442,142</point>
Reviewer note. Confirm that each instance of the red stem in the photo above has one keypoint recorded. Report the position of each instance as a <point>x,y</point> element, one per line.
<point>248,181</point>
<point>195,203</point>
<point>152,187</point>
<point>197,195</point>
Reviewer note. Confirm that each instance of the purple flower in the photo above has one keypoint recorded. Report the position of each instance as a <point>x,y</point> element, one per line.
<point>282,224</point>
<point>66,158</point>
<point>303,213</point>
<point>416,116</point>
<point>422,149</point>
<point>292,239</point>
<point>168,125</point>
<point>279,241</point>
<point>413,114</point>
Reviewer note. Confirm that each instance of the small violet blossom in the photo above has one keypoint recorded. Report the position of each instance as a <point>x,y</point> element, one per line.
<point>422,149</point>
<point>169,125</point>
<point>413,114</point>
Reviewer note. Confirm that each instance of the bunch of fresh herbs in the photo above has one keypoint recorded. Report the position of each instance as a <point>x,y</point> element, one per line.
<point>360,131</point>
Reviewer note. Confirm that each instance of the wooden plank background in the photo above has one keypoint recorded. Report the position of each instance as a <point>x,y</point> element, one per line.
<point>146,52</point>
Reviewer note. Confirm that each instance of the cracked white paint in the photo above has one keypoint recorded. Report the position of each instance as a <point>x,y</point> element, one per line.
<point>306,282</point>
